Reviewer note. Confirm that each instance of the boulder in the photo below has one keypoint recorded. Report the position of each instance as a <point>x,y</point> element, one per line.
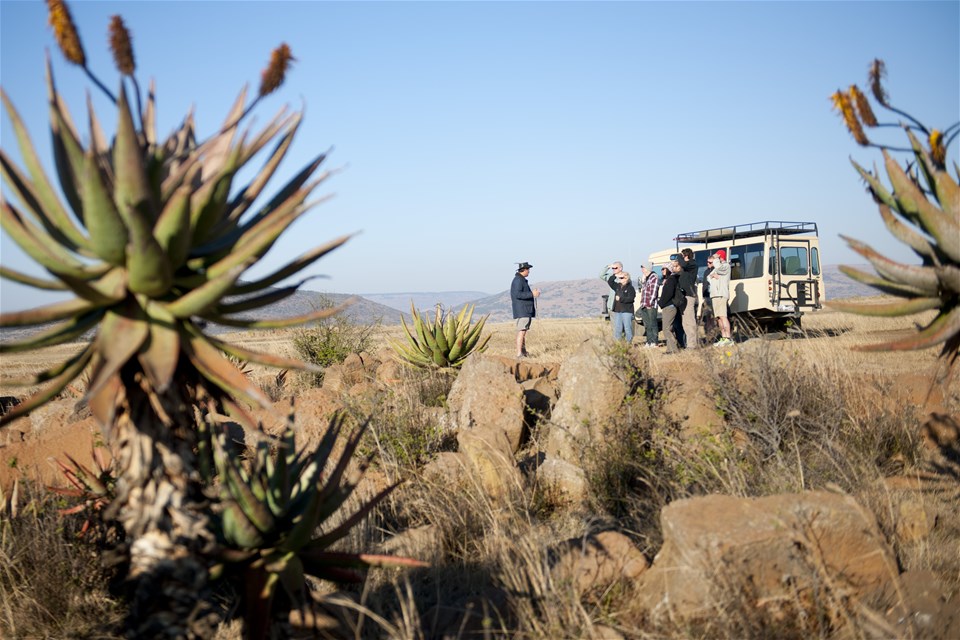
<point>596,561</point>
<point>565,476</point>
<point>486,397</point>
<point>592,390</point>
<point>720,548</point>
<point>490,454</point>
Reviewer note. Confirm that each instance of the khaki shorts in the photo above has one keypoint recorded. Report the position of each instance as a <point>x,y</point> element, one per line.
<point>523,323</point>
<point>719,306</point>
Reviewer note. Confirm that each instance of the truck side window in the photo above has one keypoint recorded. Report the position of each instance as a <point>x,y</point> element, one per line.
<point>746,261</point>
<point>815,260</point>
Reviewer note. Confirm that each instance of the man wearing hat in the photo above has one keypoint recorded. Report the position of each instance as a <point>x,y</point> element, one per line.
<point>524,308</point>
<point>720,295</point>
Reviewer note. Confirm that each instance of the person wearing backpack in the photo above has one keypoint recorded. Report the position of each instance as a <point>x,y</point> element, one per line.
<point>671,304</point>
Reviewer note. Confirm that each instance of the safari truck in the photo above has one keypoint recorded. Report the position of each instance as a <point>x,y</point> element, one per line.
<point>775,270</point>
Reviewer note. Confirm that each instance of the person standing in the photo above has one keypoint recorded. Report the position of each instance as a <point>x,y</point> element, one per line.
<point>610,271</point>
<point>622,311</point>
<point>688,284</point>
<point>720,295</point>
<point>522,298</point>
<point>707,318</point>
<point>670,296</point>
<point>649,285</point>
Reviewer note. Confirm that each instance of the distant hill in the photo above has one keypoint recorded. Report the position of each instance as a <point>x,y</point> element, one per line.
<point>424,300</point>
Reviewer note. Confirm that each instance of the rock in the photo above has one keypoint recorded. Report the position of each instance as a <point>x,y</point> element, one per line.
<point>446,469</point>
<point>722,548</point>
<point>486,397</point>
<point>591,394</point>
<point>490,454</point>
<point>928,610</point>
<point>597,561</point>
<point>914,522</point>
<point>565,476</point>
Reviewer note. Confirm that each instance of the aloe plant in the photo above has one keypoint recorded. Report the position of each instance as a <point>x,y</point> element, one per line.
<point>152,237</point>
<point>921,209</point>
<point>273,516</point>
<point>444,341</point>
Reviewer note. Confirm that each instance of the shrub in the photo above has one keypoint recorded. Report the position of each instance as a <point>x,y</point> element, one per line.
<point>331,340</point>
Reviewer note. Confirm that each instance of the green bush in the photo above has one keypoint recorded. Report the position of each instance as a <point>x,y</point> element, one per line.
<point>331,340</point>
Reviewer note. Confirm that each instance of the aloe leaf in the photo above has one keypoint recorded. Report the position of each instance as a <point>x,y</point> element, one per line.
<point>949,276</point>
<point>243,495</point>
<point>944,327</point>
<point>208,203</point>
<point>103,402</point>
<point>321,558</point>
<point>122,334</point>
<point>922,278</point>
<point>293,580</point>
<point>36,243</point>
<point>291,268</point>
<point>252,191</point>
<point>160,354</point>
<point>258,240</point>
<point>277,323</point>
<point>149,270</point>
<point>263,300</point>
<point>945,230</point>
<point>205,297</point>
<point>172,230</point>
<point>104,291</point>
<point>882,284</point>
<point>887,309</point>
<point>288,190</point>
<point>50,206</point>
<point>57,384</point>
<point>347,525</point>
<point>266,359</point>
<point>237,528</point>
<point>108,233</point>
<point>132,189</point>
<point>31,281</point>
<point>907,235</point>
<point>67,151</point>
<point>218,370</point>
<point>878,190</point>
<point>73,309</point>
<point>943,187</point>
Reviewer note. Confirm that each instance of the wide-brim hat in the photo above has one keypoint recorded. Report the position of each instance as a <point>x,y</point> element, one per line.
<point>524,265</point>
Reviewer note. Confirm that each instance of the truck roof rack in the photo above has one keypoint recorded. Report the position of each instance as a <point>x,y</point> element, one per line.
<point>768,227</point>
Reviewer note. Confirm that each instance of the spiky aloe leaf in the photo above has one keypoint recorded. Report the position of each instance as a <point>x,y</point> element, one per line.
<point>934,285</point>
<point>887,309</point>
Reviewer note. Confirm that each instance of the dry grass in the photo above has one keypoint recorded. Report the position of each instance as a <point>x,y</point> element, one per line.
<point>801,413</point>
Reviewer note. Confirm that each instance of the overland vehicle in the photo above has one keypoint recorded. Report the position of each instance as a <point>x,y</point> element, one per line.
<point>775,270</point>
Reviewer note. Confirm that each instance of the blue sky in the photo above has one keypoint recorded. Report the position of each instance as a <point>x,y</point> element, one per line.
<point>473,135</point>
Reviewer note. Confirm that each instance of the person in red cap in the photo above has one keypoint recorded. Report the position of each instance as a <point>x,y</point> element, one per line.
<point>720,295</point>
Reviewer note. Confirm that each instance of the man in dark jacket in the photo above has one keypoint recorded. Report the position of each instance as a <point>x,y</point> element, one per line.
<point>688,284</point>
<point>524,308</point>
<point>670,295</point>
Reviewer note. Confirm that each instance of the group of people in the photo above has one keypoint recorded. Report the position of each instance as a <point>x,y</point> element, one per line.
<point>675,294</point>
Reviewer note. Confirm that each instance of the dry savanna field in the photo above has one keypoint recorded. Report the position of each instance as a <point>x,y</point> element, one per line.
<point>875,409</point>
